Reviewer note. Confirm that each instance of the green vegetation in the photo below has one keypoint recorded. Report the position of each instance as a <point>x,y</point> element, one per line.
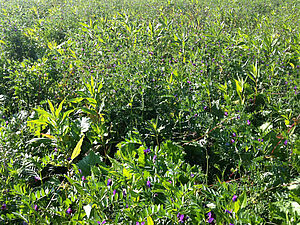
<point>149,112</point>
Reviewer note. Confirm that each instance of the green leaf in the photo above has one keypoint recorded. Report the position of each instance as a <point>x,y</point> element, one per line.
<point>76,100</point>
<point>244,200</point>
<point>239,88</point>
<point>77,149</point>
<point>44,113</point>
<point>127,173</point>
<point>58,110</point>
<point>88,162</point>
<point>141,154</point>
<point>236,206</point>
<point>51,107</point>
<point>67,114</point>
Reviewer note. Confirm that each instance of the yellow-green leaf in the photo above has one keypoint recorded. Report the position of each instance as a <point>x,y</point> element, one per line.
<point>77,149</point>
<point>149,221</point>
<point>238,86</point>
<point>48,136</point>
<point>126,173</point>
<point>51,107</point>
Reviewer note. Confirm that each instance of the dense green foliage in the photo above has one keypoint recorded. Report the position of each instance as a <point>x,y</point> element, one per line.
<point>149,112</point>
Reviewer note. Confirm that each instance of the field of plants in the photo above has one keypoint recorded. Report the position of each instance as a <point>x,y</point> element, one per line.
<point>145,112</point>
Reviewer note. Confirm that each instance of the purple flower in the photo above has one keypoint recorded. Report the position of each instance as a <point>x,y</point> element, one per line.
<point>234,198</point>
<point>55,149</point>
<point>36,178</point>
<point>114,192</point>
<point>69,158</point>
<point>234,135</point>
<point>226,113</point>
<point>227,211</point>
<point>79,170</point>
<point>295,87</point>
<point>210,218</point>
<point>6,122</point>
<point>154,158</point>
<point>83,178</point>
<point>192,175</point>
<point>124,193</point>
<point>137,223</point>
<point>231,224</point>
<point>149,183</point>
<point>258,139</point>
<point>205,107</point>
<point>232,141</point>
<point>248,122</point>
<point>180,218</point>
<point>104,221</point>
<point>146,151</point>
<point>35,207</point>
<point>285,143</point>
<point>109,181</point>
<point>69,210</point>
<point>209,215</point>
<point>142,223</point>
<point>3,207</point>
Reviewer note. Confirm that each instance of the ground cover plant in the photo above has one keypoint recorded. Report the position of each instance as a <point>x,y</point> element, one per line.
<point>149,112</point>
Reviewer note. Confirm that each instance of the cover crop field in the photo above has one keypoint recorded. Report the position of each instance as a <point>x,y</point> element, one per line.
<point>149,112</point>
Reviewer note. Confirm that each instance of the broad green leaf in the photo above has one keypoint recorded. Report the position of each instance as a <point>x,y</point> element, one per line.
<point>77,149</point>
<point>88,162</point>
<point>244,200</point>
<point>92,101</point>
<point>238,86</point>
<point>58,110</point>
<point>84,109</point>
<point>76,100</point>
<point>37,122</point>
<point>67,113</point>
<point>43,112</point>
